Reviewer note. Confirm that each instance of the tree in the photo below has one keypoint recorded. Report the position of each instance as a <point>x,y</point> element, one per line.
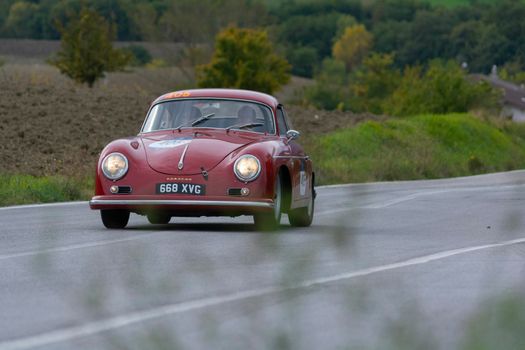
<point>245,59</point>
<point>23,19</point>
<point>86,49</point>
<point>481,45</point>
<point>372,83</point>
<point>303,60</point>
<point>353,46</point>
<point>330,88</point>
<point>310,31</point>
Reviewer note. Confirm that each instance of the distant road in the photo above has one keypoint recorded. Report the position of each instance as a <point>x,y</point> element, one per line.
<point>383,263</point>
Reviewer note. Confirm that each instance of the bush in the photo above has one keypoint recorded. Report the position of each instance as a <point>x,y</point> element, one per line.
<point>442,88</point>
<point>372,83</point>
<point>139,55</point>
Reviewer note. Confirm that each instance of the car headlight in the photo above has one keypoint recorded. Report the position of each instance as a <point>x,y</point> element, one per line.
<point>115,166</point>
<point>247,168</point>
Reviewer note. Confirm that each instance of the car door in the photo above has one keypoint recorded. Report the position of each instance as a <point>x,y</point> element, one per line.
<point>300,164</point>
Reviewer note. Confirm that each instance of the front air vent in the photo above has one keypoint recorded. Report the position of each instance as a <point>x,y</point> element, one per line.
<point>124,190</point>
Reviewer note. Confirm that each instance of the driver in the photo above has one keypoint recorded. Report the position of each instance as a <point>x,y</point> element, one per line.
<point>195,114</point>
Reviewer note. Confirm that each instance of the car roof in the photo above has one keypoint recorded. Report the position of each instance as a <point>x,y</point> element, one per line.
<point>221,93</point>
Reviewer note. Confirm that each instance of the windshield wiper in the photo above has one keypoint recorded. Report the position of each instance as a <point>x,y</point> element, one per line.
<point>244,126</point>
<point>198,121</point>
<point>203,118</point>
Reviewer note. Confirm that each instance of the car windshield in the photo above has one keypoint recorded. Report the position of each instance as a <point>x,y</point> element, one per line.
<point>210,113</point>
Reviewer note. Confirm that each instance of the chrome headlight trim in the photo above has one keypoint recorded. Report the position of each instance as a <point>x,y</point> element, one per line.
<point>120,174</point>
<point>239,175</point>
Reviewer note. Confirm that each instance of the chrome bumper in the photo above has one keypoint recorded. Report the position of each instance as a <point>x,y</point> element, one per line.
<point>181,202</point>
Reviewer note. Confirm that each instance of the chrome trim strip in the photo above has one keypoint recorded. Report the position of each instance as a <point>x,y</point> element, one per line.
<point>179,202</point>
<point>181,161</point>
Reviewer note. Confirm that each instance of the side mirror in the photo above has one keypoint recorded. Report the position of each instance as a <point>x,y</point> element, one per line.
<point>292,134</point>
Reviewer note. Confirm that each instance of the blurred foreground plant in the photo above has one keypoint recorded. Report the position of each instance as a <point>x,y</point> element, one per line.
<point>498,326</point>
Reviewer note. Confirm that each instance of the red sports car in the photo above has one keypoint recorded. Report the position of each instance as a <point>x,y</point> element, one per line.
<point>208,152</point>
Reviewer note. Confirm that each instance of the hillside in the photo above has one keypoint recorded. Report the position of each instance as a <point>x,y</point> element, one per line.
<point>51,126</point>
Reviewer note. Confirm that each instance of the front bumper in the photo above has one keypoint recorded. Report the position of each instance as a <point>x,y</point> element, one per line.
<point>183,207</point>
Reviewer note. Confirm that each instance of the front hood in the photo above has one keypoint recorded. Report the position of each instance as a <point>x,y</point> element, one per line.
<point>164,152</point>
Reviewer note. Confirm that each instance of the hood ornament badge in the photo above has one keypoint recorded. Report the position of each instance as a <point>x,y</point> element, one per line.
<point>204,173</point>
<point>181,161</point>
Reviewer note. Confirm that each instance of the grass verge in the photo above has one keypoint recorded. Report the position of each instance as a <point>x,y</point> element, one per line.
<point>422,147</point>
<point>25,189</point>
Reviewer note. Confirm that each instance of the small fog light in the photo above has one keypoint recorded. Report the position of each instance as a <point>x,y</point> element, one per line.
<point>245,191</point>
<point>113,189</point>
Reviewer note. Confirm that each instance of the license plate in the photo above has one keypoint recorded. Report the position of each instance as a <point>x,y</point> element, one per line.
<point>170,188</point>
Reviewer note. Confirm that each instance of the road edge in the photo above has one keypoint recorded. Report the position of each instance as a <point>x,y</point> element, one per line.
<point>58,204</point>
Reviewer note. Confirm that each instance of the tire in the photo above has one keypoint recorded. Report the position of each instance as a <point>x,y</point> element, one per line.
<point>302,217</point>
<point>114,218</point>
<point>271,221</point>
<point>158,218</point>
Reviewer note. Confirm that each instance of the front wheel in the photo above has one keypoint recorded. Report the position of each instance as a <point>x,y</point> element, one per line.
<point>302,217</point>
<point>114,218</point>
<point>271,221</point>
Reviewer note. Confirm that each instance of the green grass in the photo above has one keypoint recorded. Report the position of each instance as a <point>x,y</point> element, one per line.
<point>423,147</point>
<point>24,189</point>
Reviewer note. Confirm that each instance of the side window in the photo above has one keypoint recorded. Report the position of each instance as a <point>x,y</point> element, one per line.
<point>281,120</point>
<point>288,122</point>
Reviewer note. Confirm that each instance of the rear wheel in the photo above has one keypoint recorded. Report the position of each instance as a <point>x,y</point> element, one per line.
<point>158,218</point>
<point>302,217</point>
<point>271,221</point>
<point>114,218</point>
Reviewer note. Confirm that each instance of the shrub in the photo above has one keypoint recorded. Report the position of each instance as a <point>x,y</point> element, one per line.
<point>139,55</point>
<point>442,88</point>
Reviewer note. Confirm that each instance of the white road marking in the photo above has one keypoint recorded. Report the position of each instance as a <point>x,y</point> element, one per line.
<point>432,181</point>
<point>45,205</point>
<point>105,325</point>
<point>71,247</point>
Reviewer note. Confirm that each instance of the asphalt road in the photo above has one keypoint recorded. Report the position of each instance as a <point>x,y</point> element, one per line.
<point>387,265</point>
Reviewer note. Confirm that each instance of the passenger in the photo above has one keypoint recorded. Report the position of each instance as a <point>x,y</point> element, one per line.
<point>246,115</point>
<point>195,114</point>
